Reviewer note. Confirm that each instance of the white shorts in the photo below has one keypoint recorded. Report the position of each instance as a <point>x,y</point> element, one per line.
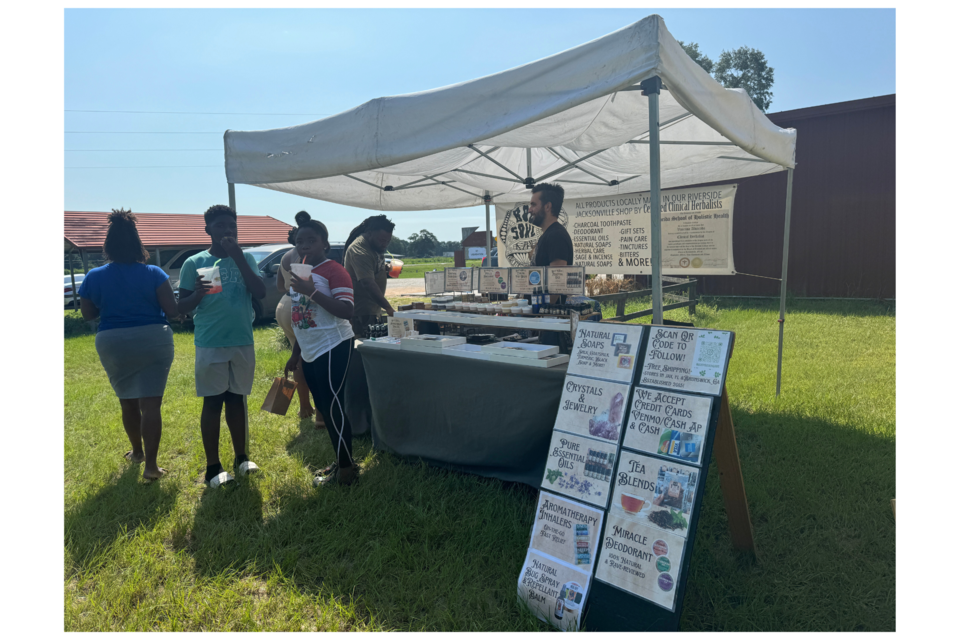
<point>220,369</point>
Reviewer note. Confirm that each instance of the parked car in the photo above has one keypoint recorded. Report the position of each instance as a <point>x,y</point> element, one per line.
<point>68,289</point>
<point>493,259</point>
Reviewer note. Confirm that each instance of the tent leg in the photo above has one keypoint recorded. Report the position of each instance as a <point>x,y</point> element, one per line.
<point>83,261</point>
<point>73,283</point>
<point>783,274</point>
<point>651,89</point>
<point>232,195</point>
<point>486,204</point>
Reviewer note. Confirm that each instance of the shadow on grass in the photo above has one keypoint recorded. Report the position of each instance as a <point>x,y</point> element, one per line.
<point>819,497</point>
<point>119,508</point>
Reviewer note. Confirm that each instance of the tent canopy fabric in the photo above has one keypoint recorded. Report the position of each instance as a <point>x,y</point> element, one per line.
<point>575,118</point>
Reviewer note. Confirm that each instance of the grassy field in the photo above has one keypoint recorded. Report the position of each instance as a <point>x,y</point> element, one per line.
<point>416,267</point>
<point>418,548</point>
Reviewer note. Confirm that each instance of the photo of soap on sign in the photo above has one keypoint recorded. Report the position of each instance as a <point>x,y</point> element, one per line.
<point>671,424</point>
<point>606,351</point>
<point>686,359</point>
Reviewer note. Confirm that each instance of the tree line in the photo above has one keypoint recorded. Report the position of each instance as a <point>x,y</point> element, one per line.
<point>422,245</point>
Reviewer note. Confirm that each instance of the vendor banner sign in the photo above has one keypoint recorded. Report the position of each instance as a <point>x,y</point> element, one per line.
<point>612,234</point>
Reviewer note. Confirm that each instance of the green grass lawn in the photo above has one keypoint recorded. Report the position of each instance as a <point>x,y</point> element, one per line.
<point>417,548</point>
<point>416,267</point>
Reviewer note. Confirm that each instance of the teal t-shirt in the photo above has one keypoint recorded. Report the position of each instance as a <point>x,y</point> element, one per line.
<point>223,319</point>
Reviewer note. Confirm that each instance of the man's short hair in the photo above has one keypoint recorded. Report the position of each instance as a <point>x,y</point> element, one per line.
<point>550,192</point>
<point>216,211</point>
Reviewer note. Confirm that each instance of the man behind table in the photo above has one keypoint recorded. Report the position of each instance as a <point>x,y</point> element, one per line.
<point>223,335</point>
<point>554,248</point>
<point>363,260</point>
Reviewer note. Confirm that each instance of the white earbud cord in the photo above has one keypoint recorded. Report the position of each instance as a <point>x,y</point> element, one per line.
<point>336,399</point>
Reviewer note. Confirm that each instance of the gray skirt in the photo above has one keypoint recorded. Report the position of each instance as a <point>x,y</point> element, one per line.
<point>137,359</point>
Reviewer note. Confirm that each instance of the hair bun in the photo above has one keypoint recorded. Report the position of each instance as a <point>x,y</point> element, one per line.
<point>301,218</point>
<point>121,216</point>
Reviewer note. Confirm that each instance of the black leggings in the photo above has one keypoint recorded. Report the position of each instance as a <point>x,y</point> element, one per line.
<point>327,379</point>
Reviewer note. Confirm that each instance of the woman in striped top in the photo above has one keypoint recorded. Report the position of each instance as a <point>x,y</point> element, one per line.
<point>322,307</point>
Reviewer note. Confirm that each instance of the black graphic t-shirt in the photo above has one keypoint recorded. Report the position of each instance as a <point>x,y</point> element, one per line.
<point>554,244</point>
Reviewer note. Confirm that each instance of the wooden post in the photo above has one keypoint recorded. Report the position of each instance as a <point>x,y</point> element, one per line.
<point>622,305</point>
<point>459,258</point>
<point>731,480</point>
<point>692,294</point>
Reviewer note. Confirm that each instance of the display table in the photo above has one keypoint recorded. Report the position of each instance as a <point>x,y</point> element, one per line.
<point>508,322</point>
<point>356,396</point>
<point>480,417</point>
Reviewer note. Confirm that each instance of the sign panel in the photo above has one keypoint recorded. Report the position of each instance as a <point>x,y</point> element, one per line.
<point>671,424</point>
<point>658,493</point>
<point>566,280</point>
<point>554,591</point>
<point>476,253</point>
<point>527,279</point>
<point>494,280</point>
<point>567,531</point>
<point>686,359</point>
<point>434,281</point>
<point>612,234</point>
<point>640,560</point>
<point>458,278</point>
<point>606,351</point>
<point>399,327</point>
<point>592,408</point>
<point>580,468</point>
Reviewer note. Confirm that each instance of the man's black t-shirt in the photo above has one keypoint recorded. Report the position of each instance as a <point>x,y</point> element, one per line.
<point>554,244</point>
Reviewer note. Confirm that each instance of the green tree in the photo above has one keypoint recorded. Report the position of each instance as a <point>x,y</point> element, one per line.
<point>398,245</point>
<point>747,69</point>
<point>423,244</point>
<point>693,50</point>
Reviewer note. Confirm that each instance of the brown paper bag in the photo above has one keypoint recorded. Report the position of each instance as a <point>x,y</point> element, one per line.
<point>279,397</point>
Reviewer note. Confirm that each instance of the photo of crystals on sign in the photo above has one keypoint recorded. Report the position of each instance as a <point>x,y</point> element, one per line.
<point>657,492</point>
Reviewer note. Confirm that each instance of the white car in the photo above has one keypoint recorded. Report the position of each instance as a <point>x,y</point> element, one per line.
<point>68,289</point>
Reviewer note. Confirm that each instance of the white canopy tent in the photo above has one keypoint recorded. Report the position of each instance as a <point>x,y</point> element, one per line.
<point>593,118</point>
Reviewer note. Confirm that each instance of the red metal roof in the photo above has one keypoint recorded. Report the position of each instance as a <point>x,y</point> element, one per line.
<point>87,229</point>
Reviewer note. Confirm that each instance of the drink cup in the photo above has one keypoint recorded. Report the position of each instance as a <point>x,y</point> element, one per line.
<point>631,504</point>
<point>212,276</point>
<point>302,271</point>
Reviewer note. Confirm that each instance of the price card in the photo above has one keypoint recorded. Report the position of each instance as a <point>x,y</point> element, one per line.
<point>458,278</point>
<point>566,280</point>
<point>434,281</point>
<point>527,279</point>
<point>494,280</point>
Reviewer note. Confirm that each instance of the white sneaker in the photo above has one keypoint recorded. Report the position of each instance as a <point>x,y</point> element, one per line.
<point>219,480</point>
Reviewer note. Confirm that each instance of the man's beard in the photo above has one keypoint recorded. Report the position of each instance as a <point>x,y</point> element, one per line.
<point>538,218</point>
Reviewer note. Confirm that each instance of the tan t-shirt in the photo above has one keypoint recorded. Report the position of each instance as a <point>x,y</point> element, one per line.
<point>362,261</point>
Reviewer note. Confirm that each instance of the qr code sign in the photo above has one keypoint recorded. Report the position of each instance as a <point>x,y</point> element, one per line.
<point>710,354</point>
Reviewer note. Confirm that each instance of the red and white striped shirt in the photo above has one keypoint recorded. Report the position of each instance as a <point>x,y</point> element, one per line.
<point>317,330</point>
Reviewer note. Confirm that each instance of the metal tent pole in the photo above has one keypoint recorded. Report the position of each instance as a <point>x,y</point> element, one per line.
<point>783,273</point>
<point>651,89</point>
<point>233,196</point>
<point>486,204</point>
<point>73,283</point>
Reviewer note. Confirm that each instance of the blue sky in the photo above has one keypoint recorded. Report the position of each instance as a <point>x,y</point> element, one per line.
<point>313,63</point>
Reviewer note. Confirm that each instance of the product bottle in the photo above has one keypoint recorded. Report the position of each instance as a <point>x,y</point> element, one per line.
<point>535,300</point>
<point>558,612</point>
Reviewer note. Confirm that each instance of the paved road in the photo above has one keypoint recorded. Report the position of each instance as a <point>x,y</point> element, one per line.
<point>406,286</point>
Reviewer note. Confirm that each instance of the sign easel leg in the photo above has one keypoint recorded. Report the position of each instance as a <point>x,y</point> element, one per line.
<point>727,457</point>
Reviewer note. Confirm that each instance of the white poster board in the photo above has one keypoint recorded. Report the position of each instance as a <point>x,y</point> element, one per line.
<point>612,234</point>
<point>592,408</point>
<point>476,253</point>
<point>494,280</point>
<point>607,351</point>
<point>659,493</point>
<point>566,530</point>
<point>527,279</point>
<point>686,359</point>
<point>580,468</point>
<point>670,424</point>
<point>640,560</point>
<point>554,590</point>
<point>434,281</point>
